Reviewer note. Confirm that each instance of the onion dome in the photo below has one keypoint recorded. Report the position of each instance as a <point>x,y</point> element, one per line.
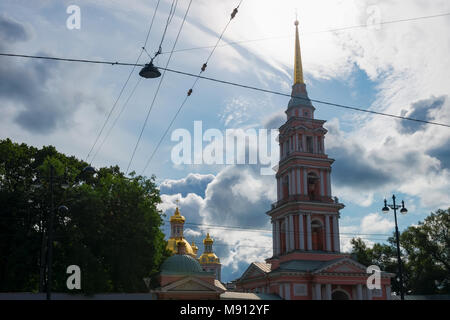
<point>208,239</point>
<point>177,217</point>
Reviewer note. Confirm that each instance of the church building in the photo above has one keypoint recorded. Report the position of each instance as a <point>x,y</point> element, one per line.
<point>183,275</point>
<point>306,262</point>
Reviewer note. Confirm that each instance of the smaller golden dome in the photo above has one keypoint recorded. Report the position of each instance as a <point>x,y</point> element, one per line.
<point>177,217</point>
<point>209,258</point>
<point>208,239</point>
<point>172,245</point>
<point>194,247</point>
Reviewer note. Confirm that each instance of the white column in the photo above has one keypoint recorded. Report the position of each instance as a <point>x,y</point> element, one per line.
<point>337,247</point>
<point>308,232</point>
<point>301,233</point>
<point>289,182</point>
<point>287,291</point>
<point>305,180</point>
<point>317,291</point>
<point>328,184</point>
<point>277,237</point>
<point>322,183</point>
<point>281,291</point>
<point>294,190</point>
<point>279,189</point>
<point>359,292</point>
<point>286,233</point>
<point>296,142</point>
<point>327,233</point>
<point>328,291</point>
<point>291,232</point>
<point>273,238</point>
<point>315,144</point>
<point>304,142</point>
<point>369,293</point>
<point>388,292</point>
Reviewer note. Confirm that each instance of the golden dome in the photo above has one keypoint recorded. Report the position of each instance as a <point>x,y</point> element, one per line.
<point>209,257</point>
<point>172,245</point>
<point>208,239</point>
<point>177,217</point>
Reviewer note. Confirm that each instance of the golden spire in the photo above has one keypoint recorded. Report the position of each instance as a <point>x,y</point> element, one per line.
<point>298,68</point>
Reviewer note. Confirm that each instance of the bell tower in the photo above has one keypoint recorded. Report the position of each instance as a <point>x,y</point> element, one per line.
<point>305,217</point>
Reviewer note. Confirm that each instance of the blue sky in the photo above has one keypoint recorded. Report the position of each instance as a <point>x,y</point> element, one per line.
<point>398,68</point>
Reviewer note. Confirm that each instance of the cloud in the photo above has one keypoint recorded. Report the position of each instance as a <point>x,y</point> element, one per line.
<point>189,206</point>
<point>235,200</point>
<point>375,223</point>
<point>193,183</point>
<point>12,31</point>
<point>275,120</point>
<point>420,110</point>
<point>442,153</point>
<point>42,93</point>
<point>239,196</point>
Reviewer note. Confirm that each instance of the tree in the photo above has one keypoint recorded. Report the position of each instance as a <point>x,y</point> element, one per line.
<point>112,229</point>
<point>425,255</point>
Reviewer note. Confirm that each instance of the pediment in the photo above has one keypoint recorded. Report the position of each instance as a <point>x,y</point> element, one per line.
<point>343,266</point>
<point>191,284</point>
<point>253,271</point>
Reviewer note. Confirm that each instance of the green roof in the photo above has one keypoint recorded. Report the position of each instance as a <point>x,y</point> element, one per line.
<point>181,264</point>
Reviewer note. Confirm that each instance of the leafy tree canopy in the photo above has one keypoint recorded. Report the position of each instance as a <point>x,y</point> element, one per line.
<point>425,250</point>
<point>111,230</point>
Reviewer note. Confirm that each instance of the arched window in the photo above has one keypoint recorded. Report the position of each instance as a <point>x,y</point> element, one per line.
<point>317,235</point>
<point>339,295</point>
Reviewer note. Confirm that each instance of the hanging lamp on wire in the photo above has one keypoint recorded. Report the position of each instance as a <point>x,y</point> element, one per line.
<point>149,71</point>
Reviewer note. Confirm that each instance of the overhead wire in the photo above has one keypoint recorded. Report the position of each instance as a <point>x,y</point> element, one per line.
<point>251,229</point>
<point>202,69</point>
<point>125,84</point>
<point>361,109</point>
<point>316,32</point>
<point>143,49</point>
<point>159,86</point>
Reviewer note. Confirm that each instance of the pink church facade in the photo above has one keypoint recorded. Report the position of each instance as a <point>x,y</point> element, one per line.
<point>307,263</point>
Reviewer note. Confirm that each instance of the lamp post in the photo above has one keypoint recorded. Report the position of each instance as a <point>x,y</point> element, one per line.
<point>403,210</point>
<point>61,209</point>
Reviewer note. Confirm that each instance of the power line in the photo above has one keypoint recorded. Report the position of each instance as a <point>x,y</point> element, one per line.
<point>227,83</point>
<point>202,69</point>
<point>116,119</point>
<point>124,85</point>
<point>246,228</point>
<point>233,43</point>
<point>159,86</point>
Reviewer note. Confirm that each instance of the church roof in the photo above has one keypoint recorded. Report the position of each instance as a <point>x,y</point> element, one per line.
<point>181,264</point>
<point>265,267</point>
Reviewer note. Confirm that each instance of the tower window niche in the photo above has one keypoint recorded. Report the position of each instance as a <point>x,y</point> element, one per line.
<point>317,235</point>
<point>309,144</point>
<point>313,186</point>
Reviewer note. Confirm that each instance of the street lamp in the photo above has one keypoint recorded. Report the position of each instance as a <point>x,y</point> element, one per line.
<point>61,209</point>
<point>403,210</point>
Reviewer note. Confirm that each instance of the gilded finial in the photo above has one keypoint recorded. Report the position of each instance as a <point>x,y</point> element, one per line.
<point>298,68</point>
